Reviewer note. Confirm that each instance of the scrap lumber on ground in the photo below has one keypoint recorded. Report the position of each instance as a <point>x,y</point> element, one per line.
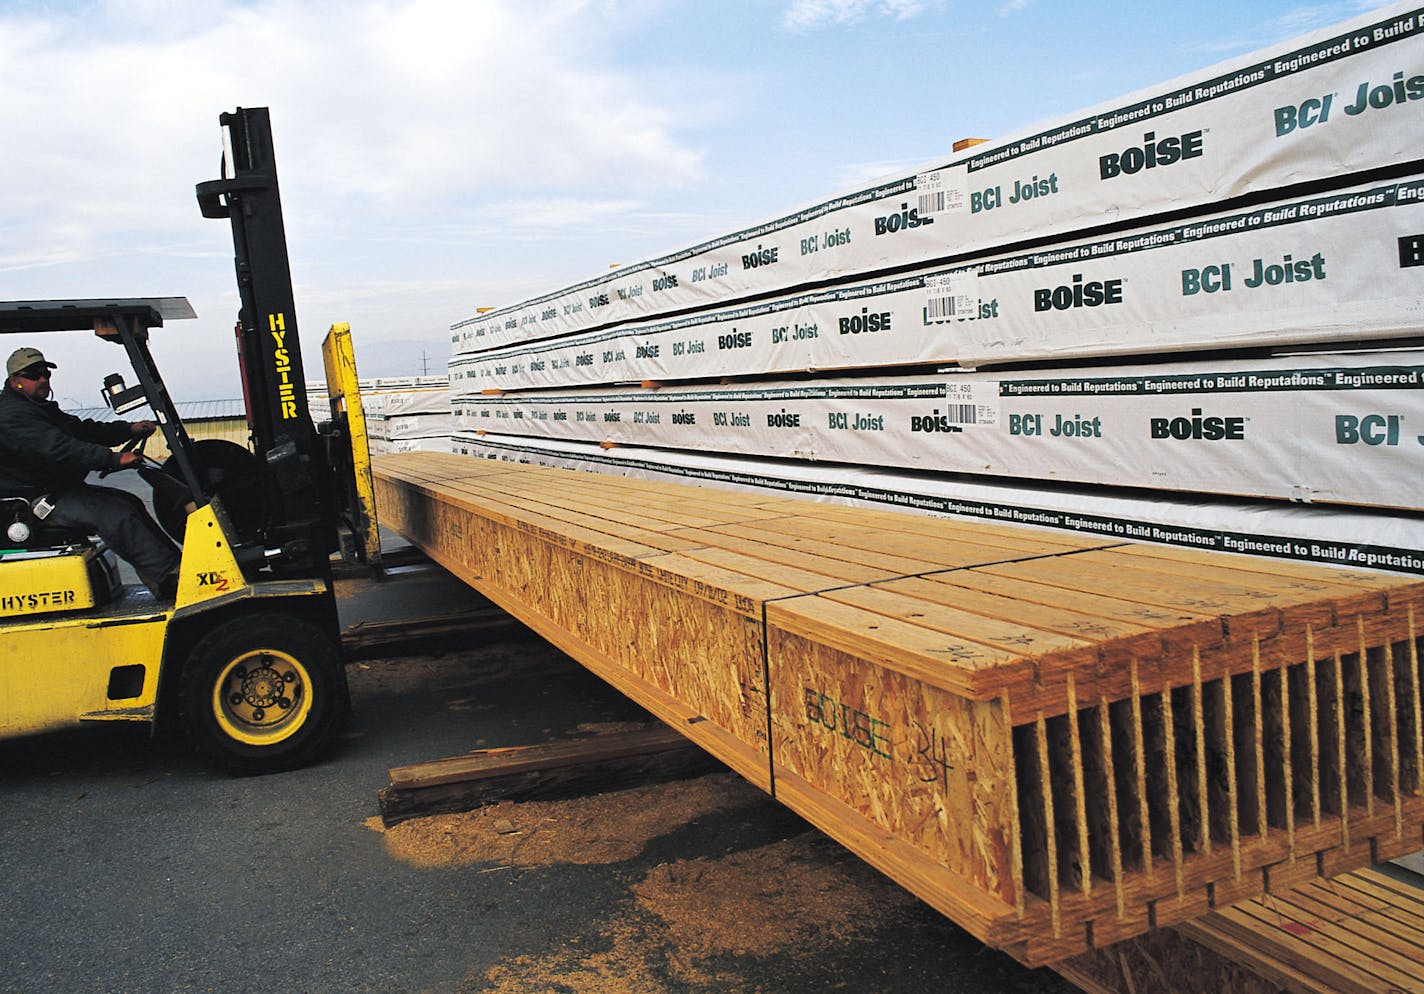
<point>373,640</point>
<point>1058,741</point>
<point>545,771</point>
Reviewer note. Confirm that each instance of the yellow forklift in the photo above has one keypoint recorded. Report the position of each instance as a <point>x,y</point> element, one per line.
<point>247,658</point>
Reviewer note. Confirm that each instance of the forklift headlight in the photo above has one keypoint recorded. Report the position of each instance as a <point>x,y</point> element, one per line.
<point>120,398</point>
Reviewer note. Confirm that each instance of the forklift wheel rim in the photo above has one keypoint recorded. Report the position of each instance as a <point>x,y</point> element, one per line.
<point>248,695</point>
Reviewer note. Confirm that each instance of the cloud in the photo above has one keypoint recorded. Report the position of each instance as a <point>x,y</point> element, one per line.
<point>1296,21</point>
<point>804,15</point>
<point>411,137</point>
<point>398,105</point>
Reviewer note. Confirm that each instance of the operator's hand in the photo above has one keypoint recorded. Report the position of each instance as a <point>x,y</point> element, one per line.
<point>129,459</point>
<point>143,429</point>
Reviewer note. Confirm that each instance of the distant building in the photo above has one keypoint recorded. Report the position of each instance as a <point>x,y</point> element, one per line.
<point>226,419</point>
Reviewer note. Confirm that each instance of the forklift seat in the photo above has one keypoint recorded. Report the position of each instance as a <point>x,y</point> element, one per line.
<point>51,569</point>
<point>19,511</point>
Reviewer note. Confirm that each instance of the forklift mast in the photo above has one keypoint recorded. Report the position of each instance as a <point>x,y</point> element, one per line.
<point>300,485</point>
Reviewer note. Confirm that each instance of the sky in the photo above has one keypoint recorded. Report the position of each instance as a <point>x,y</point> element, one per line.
<point>437,156</point>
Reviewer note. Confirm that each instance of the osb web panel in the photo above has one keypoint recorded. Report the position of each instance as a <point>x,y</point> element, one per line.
<point>1058,741</point>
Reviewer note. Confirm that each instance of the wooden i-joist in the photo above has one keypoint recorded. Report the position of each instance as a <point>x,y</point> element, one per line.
<point>1058,741</point>
<point>1357,933</point>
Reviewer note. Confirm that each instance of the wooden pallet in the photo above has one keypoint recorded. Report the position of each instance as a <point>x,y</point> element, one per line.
<point>1057,740</point>
<point>1359,933</point>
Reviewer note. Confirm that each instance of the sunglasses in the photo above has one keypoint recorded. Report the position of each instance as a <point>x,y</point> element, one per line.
<point>33,374</point>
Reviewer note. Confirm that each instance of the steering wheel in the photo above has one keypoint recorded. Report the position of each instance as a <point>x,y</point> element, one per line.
<point>136,445</point>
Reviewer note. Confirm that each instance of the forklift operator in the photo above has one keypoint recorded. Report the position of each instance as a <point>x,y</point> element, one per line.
<point>46,453</point>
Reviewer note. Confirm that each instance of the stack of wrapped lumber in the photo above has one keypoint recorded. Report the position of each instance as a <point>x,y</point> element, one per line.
<point>1191,315</point>
<point>403,414</point>
<point>1091,358</point>
<point>412,414</point>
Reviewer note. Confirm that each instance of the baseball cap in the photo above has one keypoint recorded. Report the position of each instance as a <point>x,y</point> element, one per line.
<point>23,359</point>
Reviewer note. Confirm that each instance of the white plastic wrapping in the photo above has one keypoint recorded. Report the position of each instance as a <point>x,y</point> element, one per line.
<point>1346,266</point>
<point>1323,106</point>
<point>1325,428</point>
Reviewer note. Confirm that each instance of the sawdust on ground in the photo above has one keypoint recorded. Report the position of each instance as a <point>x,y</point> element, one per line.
<point>773,899</point>
<point>603,828</point>
<point>702,924</point>
<point>688,924</point>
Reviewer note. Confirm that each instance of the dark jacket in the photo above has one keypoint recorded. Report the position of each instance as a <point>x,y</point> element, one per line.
<point>42,449</point>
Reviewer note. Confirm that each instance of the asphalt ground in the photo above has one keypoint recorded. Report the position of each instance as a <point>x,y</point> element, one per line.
<point>131,867</point>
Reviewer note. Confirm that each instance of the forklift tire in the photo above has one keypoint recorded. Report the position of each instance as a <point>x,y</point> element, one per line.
<point>262,693</point>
